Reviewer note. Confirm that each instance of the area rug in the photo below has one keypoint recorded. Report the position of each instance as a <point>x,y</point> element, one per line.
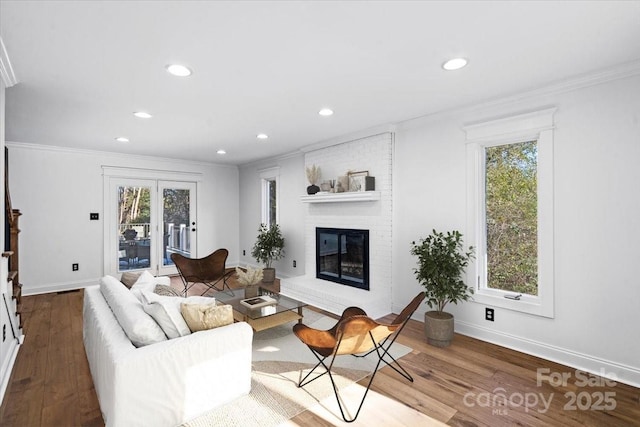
<point>279,361</point>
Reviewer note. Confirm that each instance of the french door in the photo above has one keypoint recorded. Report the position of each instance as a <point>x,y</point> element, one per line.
<point>146,221</point>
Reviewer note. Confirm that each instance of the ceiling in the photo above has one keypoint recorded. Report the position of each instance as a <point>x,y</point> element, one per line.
<point>268,67</point>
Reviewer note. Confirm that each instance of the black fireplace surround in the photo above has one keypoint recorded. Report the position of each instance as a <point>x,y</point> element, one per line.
<point>342,256</point>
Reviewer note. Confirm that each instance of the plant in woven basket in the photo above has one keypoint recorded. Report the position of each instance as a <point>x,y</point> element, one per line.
<point>250,277</point>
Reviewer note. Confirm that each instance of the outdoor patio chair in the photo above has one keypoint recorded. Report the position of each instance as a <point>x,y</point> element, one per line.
<point>210,271</point>
<point>358,335</point>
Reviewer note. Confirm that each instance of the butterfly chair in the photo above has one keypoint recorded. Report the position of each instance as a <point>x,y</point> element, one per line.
<point>358,335</point>
<point>209,271</point>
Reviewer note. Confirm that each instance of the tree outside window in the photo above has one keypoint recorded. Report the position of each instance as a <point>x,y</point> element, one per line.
<point>511,214</point>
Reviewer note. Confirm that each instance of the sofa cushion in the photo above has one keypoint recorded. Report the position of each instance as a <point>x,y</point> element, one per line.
<point>165,310</point>
<point>139,327</point>
<point>200,317</point>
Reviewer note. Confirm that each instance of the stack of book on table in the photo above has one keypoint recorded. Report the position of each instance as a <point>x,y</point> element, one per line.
<point>258,302</point>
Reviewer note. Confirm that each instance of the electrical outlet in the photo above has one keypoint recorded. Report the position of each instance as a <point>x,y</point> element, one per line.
<point>4,332</point>
<point>74,267</point>
<point>488,314</point>
<point>244,253</point>
<point>294,263</point>
<point>94,216</point>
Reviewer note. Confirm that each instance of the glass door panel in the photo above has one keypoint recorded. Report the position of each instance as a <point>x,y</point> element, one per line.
<point>131,234</point>
<point>178,209</point>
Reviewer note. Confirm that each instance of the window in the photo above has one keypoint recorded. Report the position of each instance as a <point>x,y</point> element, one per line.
<point>270,189</point>
<point>510,212</point>
<point>511,217</point>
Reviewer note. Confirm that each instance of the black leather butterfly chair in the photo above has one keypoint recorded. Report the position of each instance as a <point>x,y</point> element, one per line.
<point>210,271</point>
<point>358,335</point>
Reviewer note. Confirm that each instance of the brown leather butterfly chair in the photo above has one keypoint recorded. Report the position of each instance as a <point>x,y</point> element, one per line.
<point>210,271</point>
<point>358,335</point>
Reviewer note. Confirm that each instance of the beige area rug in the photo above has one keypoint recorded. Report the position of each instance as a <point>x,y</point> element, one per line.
<point>279,361</point>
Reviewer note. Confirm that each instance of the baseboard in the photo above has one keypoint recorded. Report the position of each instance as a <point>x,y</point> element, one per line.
<point>58,287</point>
<point>7,367</point>
<point>584,362</point>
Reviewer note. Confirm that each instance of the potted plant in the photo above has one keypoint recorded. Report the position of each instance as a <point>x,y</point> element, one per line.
<point>268,248</point>
<point>441,262</point>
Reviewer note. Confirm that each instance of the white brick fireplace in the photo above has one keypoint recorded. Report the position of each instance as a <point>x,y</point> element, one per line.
<point>372,154</point>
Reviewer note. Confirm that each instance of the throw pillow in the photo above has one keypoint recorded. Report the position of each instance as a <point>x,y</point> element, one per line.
<point>137,325</point>
<point>145,282</point>
<point>128,278</point>
<point>166,291</point>
<point>201,317</point>
<point>165,310</point>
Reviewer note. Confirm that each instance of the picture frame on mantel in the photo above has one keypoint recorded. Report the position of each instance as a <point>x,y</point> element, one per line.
<point>361,181</point>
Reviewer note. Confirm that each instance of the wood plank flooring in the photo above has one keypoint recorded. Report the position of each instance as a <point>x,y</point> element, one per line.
<point>459,385</point>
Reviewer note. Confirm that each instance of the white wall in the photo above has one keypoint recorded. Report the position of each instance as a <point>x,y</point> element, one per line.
<point>292,184</point>
<point>372,153</point>
<point>56,189</point>
<point>597,224</point>
<point>597,221</point>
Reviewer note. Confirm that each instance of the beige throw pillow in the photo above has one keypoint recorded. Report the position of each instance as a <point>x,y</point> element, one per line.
<point>128,278</point>
<point>200,317</point>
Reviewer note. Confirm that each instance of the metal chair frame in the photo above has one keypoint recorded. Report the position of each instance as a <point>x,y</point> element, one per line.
<point>209,271</point>
<point>355,320</point>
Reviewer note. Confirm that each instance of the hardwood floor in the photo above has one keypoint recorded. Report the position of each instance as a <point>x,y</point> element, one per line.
<point>51,384</point>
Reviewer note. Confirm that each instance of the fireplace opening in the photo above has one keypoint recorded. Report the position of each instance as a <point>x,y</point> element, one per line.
<point>342,256</point>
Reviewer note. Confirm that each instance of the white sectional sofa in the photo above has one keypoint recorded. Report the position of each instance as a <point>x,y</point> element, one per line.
<point>166,383</point>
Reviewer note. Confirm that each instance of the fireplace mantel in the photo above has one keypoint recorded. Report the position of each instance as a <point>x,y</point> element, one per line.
<point>354,196</point>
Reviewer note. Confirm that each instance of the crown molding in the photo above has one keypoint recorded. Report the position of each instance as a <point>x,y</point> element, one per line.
<point>6,71</point>
<point>581,81</point>
<point>42,147</point>
<point>365,133</point>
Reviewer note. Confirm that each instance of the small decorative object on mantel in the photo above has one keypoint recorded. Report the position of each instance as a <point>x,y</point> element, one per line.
<point>313,176</point>
<point>343,184</point>
<point>361,181</point>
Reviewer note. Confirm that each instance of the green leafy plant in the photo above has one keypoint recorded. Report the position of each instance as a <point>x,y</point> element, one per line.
<point>269,245</point>
<point>441,262</point>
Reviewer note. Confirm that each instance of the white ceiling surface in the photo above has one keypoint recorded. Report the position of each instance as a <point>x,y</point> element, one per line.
<point>84,67</point>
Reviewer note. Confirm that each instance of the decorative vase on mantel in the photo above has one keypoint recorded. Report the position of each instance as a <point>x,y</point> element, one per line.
<point>313,176</point>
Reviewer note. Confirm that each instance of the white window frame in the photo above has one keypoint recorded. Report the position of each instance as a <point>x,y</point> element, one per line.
<point>536,126</point>
<point>267,175</point>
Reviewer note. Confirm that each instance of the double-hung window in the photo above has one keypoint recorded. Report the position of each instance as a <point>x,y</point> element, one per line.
<point>510,212</point>
<point>269,181</point>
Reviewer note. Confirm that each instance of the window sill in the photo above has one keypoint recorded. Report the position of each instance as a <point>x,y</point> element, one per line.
<point>526,304</point>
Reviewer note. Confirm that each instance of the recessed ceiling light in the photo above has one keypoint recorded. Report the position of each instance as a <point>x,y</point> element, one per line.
<point>454,64</point>
<point>262,136</point>
<point>221,152</point>
<point>142,115</point>
<point>178,70</point>
<point>122,139</point>
<point>326,112</point>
